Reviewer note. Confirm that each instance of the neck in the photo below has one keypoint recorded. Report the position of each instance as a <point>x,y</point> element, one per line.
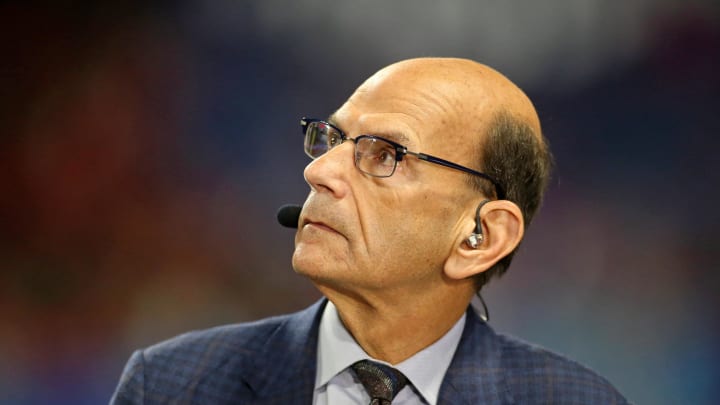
<point>393,327</point>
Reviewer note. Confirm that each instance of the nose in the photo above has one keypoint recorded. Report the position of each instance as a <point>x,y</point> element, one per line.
<point>330,172</point>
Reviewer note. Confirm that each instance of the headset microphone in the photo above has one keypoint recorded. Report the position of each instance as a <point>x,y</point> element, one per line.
<point>288,215</point>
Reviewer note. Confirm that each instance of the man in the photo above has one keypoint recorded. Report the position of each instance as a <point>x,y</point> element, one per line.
<point>421,187</point>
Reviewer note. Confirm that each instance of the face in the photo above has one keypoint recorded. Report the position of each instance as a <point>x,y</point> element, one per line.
<point>359,232</point>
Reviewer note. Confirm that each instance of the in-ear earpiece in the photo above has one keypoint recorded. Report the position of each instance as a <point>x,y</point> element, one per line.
<point>476,239</point>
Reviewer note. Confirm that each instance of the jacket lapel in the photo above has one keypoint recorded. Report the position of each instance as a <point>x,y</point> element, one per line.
<point>284,369</point>
<point>475,374</point>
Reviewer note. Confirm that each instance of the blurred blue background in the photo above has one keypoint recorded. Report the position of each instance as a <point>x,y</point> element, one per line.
<point>145,147</point>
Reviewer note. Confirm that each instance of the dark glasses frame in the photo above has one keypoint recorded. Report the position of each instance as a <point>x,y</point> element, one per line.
<point>400,152</point>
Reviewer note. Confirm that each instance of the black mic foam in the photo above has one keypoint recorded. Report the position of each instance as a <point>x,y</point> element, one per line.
<point>288,215</point>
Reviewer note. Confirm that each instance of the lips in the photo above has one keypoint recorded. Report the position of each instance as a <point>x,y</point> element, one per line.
<point>319,225</point>
<point>310,220</point>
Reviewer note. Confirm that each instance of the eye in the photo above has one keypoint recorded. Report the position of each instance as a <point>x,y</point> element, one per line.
<point>334,139</point>
<point>386,157</point>
<point>383,154</point>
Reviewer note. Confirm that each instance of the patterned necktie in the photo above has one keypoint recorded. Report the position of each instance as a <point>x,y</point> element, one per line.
<point>380,381</point>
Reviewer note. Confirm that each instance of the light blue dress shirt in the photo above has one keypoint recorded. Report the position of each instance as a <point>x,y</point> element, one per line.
<point>335,383</point>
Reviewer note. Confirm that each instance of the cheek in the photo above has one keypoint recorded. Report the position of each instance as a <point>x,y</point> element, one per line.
<point>383,221</point>
<point>426,230</point>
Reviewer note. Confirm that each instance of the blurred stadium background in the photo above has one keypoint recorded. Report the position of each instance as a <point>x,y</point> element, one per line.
<point>145,147</point>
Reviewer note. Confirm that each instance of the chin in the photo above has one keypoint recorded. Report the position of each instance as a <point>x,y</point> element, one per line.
<point>315,258</point>
<point>309,263</point>
<point>322,271</point>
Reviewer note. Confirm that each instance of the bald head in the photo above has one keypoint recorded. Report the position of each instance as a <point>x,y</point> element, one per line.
<point>467,90</point>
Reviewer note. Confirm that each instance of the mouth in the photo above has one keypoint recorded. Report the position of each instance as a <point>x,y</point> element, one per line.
<point>319,225</point>
<point>311,224</point>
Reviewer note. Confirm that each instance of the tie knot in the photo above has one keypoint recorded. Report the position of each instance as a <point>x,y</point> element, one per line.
<point>380,381</point>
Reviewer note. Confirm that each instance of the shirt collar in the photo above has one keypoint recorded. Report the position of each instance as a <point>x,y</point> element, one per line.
<point>337,350</point>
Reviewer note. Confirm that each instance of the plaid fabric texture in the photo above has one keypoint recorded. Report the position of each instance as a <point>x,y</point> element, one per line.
<point>272,361</point>
<point>490,368</point>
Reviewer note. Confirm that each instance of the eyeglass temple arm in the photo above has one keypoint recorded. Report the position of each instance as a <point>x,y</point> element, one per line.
<point>429,158</point>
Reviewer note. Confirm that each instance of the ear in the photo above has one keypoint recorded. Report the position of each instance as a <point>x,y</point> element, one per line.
<point>503,228</point>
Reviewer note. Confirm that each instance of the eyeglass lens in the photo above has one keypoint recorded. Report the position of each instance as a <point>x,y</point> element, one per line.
<point>373,155</point>
<point>319,138</point>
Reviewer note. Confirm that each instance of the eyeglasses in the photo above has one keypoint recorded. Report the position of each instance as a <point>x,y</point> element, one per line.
<point>374,155</point>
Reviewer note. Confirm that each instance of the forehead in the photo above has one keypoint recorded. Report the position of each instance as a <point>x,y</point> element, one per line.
<point>415,112</point>
<point>425,115</point>
<point>369,124</point>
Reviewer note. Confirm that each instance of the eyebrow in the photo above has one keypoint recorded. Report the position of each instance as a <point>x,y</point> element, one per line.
<point>331,119</point>
<point>394,136</point>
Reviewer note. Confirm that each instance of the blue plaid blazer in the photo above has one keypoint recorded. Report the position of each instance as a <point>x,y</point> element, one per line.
<point>272,361</point>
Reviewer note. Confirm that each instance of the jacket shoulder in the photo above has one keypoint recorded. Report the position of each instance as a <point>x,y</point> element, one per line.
<point>207,365</point>
<point>210,348</point>
<point>537,375</point>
